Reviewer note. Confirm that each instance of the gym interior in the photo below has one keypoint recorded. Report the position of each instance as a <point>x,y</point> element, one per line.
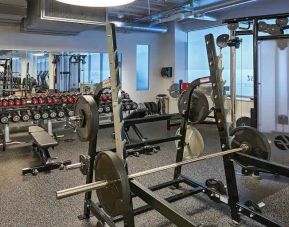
<point>144,113</point>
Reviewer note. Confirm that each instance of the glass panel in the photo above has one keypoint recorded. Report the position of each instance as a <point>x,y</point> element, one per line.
<point>142,67</point>
<point>198,63</point>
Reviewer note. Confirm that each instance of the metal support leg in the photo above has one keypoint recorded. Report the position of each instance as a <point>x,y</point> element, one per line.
<point>49,127</point>
<point>89,178</point>
<point>7,133</point>
<point>233,196</point>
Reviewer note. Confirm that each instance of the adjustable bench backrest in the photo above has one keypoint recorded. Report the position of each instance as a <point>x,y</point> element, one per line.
<point>41,138</point>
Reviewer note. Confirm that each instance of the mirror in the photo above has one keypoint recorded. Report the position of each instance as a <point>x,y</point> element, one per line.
<point>38,71</point>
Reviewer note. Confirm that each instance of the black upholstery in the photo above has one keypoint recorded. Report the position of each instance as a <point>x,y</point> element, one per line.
<point>41,138</point>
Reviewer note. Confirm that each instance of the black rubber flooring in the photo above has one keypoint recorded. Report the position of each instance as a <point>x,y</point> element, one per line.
<point>30,201</point>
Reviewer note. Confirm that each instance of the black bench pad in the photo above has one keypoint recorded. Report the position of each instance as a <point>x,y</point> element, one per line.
<point>41,137</point>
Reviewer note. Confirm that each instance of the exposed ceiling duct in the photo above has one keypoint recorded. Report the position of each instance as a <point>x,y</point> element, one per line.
<point>51,17</point>
<point>199,13</point>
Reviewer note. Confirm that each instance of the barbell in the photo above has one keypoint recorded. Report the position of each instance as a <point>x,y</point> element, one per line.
<point>112,181</point>
<point>103,183</point>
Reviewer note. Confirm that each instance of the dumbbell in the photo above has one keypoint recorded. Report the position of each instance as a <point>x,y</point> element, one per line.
<point>50,100</point>
<point>23,102</point>
<point>11,102</point>
<point>17,102</point>
<point>56,100</point>
<point>126,96</point>
<point>60,113</point>
<point>103,98</point>
<point>128,105</point>
<point>24,116</point>
<point>41,100</point>
<point>4,118</point>
<point>52,113</point>
<point>34,100</point>
<point>4,102</point>
<point>69,112</point>
<point>44,114</point>
<point>35,114</point>
<point>134,105</point>
<point>15,117</point>
<point>101,109</point>
<point>64,99</point>
<point>122,95</point>
<point>70,99</point>
<point>107,108</point>
<point>109,97</point>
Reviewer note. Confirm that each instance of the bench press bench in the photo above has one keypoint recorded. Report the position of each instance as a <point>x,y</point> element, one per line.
<point>42,142</point>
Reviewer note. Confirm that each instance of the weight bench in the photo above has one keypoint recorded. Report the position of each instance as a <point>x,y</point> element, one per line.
<point>42,141</point>
<point>148,149</point>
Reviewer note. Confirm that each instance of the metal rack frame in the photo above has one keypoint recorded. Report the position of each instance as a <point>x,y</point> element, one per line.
<point>256,38</point>
<point>162,205</point>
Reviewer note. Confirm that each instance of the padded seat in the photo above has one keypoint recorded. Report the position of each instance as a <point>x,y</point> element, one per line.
<point>41,138</point>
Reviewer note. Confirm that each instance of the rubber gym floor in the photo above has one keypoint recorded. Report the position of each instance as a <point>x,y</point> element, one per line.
<point>30,201</point>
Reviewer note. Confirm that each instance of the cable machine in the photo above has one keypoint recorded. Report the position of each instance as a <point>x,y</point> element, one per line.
<point>261,31</point>
<point>68,70</point>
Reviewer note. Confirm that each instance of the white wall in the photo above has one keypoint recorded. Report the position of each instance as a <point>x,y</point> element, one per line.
<point>173,52</point>
<point>95,41</point>
<point>274,87</point>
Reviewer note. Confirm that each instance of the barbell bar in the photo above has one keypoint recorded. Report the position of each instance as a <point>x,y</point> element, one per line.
<point>103,183</point>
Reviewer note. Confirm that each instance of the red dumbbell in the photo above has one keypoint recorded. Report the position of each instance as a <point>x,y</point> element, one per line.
<point>23,102</point>
<point>109,98</point>
<point>103,98</point>
<point>70,99</point>
<point>17,102</point>
<point>56,100</point>
<point>34,101</point>
<point>5,102</point>
<point>64,99</point>
<point>11,102</point>
<point>50,100</point>
<point>41,100</point>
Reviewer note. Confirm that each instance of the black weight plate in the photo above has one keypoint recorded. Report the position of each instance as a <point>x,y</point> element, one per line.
<point>243,121</point>
<point>147,105</point>
<point>86,109</point>
<point>222,40</point>
<point>174,90</point>
<point>258,144</point>
<point>154,107</point>
<point>114,198</point>
<point>199,107</point>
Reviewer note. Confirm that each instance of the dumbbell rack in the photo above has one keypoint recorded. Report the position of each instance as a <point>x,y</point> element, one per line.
<point>9,111</point>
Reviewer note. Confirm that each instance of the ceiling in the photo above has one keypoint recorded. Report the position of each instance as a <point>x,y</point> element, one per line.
<point>141,12</point>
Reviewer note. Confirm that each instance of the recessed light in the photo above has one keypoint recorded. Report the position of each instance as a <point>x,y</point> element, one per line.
<point>96,3</point>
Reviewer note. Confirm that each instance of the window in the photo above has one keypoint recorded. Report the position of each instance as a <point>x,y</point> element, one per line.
<point>142,67</point>
<point>96,68</point>
<point>16,66</point>
<point>198,63</point>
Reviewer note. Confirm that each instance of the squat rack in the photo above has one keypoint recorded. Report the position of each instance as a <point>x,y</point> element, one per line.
<point>163,205</point>
<point>254,20</point>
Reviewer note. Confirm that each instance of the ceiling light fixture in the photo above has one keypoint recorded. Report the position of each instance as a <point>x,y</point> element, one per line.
<point>96,3</point>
